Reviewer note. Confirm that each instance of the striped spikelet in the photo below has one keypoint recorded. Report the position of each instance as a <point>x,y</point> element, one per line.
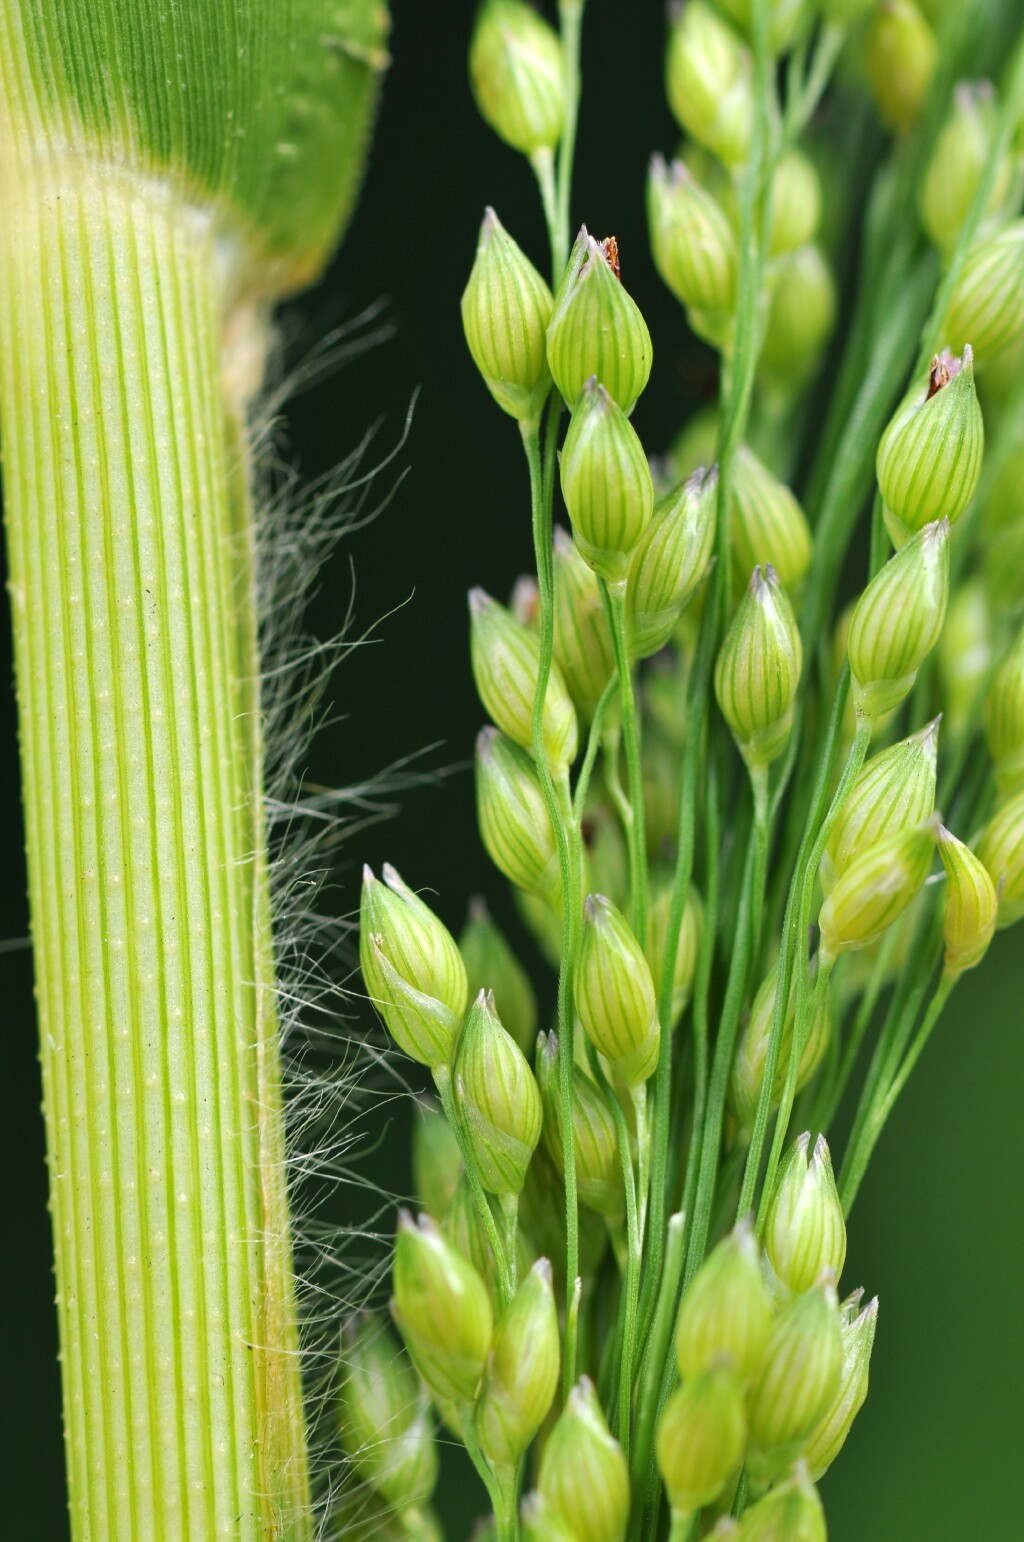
<point>897,621</point>
<point>606,482</point>
<point>614,992</point>
<point>758,669</point>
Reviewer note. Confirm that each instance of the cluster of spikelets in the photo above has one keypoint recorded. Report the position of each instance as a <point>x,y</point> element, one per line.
<point>485,1290</point>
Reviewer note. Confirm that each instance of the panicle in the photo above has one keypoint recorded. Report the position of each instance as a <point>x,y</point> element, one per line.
<point>693,246</point>
<point>583,644</point>
<point>929,458</point>
<point>412,969</point>
<point>701,1439</point>
<point>857,1325</point>
<point>767,526</point>
<point>727,1312</point>
<point>595,1145</point>
<point>596,327</point>
<point>513,817</point>
<point>900,56</point>
<point>894,791</point>
<point>523,1370</point>
<point>972,905</point>
<point>442,1310</point>
<point>505,656</point>
<point>987,307</point>
<point>1001,849</point>
<point>517,72</point>
<point>506,307</point>
<point>805,1233</point>
<point>671,561</point>
<point>876,889</point>
<point>709,82</point>
<point>1004,720</point>
<point>897,621</point>
<point>384,1415</point>
<point>606,482</point>
<point>614,993</point>
<point>795,1382</point>
<point>492,966</point>
<point>747,1074</point>
<point>758,669</point>
<point>583,1473</point>
<point>498,1099</point>
<point>436,1161</point>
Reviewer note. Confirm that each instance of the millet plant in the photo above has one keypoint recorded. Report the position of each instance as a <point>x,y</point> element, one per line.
<point>758,833</point>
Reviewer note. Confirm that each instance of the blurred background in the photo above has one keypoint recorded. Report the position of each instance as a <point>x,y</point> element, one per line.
<point>937,1232</point>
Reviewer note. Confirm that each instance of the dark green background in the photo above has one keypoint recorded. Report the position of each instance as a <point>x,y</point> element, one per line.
<point>937,1232</point>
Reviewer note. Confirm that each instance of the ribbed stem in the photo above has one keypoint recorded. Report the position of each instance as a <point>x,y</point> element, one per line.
<point>132,586</point>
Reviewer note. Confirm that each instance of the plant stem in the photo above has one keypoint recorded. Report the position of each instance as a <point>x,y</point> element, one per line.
<point>570,16</point>
<point>559,807</point>
<point>614,597</point>
<point>131,551</point>
<point>649,1380</point>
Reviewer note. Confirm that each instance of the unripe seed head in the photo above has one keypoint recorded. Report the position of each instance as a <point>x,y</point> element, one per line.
<point>758,669</point>
<point>498,1098</point>
<point>987,308</point>
<point>506,662</point>
<point>506,306</point>
<point>876,889</point>
<point>748,1066</point>
<point>442,1310</point>
<point>523,1370</point>
<point>795,1382</point>
<point>670,561</point>
<point>1004,720</point>
<point>412,969</point>
<point>727,1312</point>
<point>606,483</point>
<point>541,1524</point>
<point>701,1438</point>
<point>1001,849</point>
<point>897,621</point>
<point>709,82</point>
<point>595,1145</point>
<point>929,458</point>
<point>436,1161</point>
<point>384,1413</point>
<point>492,966</point>
<point>800,318</point>
<point>796,203</point>
<point>900,57</point>
<point>858,1333</point>
<point>958,160</point>
<point>513,817</point>
<point>767,526</point>
<point>690,934</point>
<point>893,792</point>
<point>596,328</point>
<point>792,1512</point>
<point>583,644</point>
<point>583,1473</point>
<point>805,1232</point>
<point>972,905</point>
<point>965,653</point>
<point>614,993</point>
<point>692,242</point>
<point>517,72</point>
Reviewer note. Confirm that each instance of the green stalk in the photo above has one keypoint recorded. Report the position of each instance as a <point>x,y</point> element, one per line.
<point>633,809</point>
<point>135,631</point>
